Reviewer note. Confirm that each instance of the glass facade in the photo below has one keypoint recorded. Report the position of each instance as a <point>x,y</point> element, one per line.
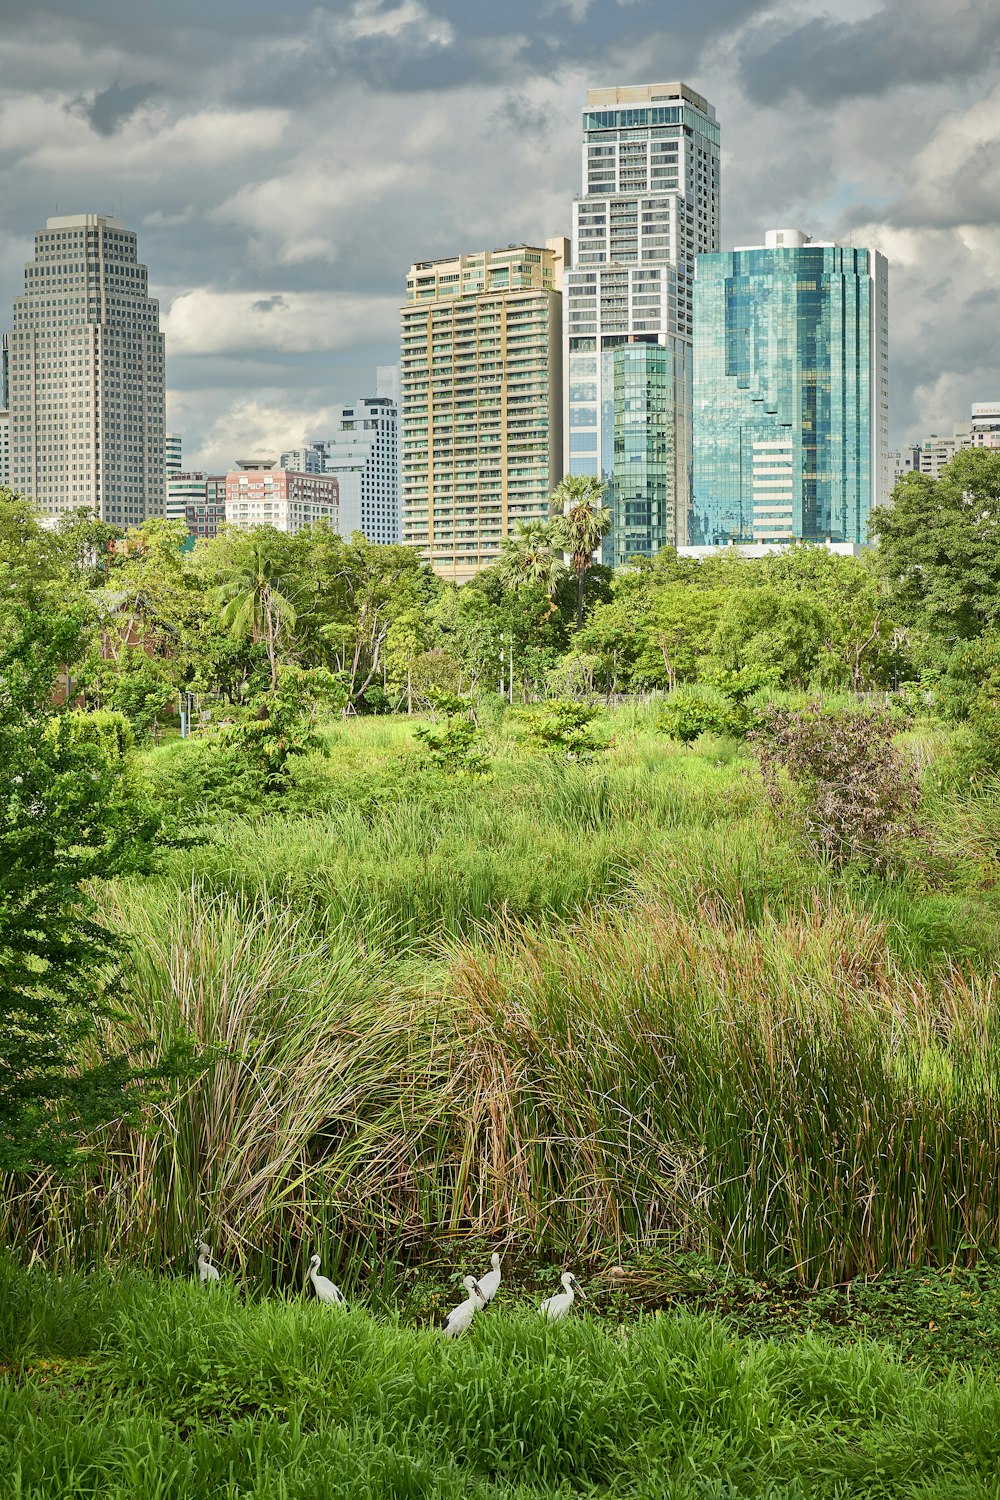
<point>650,205</point>
<point>644,418</point>
<point>790,394</point>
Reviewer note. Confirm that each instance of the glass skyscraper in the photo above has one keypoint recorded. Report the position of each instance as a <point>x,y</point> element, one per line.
<point>650,205</point>
<point>791,392</point>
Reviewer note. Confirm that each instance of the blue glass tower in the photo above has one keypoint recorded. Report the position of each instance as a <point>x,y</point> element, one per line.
<point>790,392</point>
<point>650,205</point>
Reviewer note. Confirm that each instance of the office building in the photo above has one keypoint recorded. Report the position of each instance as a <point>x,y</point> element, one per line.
<point>4,448</point>
<point>86,375</point>
<point>791,394</point>
<point>935,452</point>
<point>985,425</point>
<point>481,381</point>
<point>258,493</point>
<point>363,453</point>
<point>184,489</point>
<point>903,461</point>
<point>650,204</point>
<point>307,460</point>
<point>173,456</point>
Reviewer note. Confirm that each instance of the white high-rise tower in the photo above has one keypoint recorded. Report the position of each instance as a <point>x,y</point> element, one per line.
<point>650,204</point>
<point>86,376</point>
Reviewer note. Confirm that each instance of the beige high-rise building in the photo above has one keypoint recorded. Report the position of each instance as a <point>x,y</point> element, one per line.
<point>481,400</point>
<point>86,376</point>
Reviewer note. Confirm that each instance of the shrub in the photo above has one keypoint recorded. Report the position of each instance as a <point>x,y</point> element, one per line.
<point>841,779</point>
<point>562,728</point>
<point>105,728</point>
<point>718,705</point>
<point>454,747</point>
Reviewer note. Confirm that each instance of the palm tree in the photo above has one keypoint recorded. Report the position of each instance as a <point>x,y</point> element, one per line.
<point>254,606</point>
<point>529,556</point>
<point>580,520</point>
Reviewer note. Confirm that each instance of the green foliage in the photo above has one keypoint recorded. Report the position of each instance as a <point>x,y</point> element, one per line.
<point>719,704</point>
<point>939,546</point>
<point>133,683</point>
<point>563,728</point>
<point>691,712</point>
<point>267,732</point>
<point>842,780</point>
<point>455,747</point>
<point>165,1392</point>
<point>110,731</point>
<point>71,813</point>
<point>767,629</point>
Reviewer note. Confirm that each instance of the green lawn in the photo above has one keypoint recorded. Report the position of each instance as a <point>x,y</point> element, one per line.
<point>132,1388</point>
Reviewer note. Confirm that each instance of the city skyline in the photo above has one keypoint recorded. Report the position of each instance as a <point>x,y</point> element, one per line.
<point>281,181</point>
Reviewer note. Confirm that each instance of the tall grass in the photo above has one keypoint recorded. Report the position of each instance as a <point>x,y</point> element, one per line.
<point>295,1122</point>
<point>780,1092</point>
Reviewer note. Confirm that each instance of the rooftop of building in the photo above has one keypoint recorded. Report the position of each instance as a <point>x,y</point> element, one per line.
<point>557,248</point>
<point>648,93</point>
<point>87,221</point>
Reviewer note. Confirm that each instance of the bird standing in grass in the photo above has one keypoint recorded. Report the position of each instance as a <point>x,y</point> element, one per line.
<point>555,1308</point>
<point>489,1284</point>
<point>207,1274</point>
<point>324,1288</point>
<point>459,1320</point>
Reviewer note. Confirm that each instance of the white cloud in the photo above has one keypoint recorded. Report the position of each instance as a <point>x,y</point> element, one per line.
<point>213,322</point>
<point>371,18</point>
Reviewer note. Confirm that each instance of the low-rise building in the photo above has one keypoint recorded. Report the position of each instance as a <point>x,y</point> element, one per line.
<point>258,493</point>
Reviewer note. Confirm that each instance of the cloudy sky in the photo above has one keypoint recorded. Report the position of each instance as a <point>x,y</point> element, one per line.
<point>283,165</point>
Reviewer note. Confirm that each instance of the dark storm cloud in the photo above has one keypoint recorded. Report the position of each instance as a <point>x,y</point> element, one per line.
<point>905,42</point>
<point>110,109</point>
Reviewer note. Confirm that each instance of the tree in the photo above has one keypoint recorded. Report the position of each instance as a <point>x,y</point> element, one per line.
<point>683,621</point>
<point>71,813</point>
<point>579,523</point>
<point>771,629</point>
<point>272,728</point>
<point>254,606</point>
<point>939,545</point>
<point>528,556</point>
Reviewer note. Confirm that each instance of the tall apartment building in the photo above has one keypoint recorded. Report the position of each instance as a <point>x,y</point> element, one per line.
<point>791,392</point>
<point>260,494</point>
<point>481,379</point>
<point>86,375</point>
<point>650,204</point>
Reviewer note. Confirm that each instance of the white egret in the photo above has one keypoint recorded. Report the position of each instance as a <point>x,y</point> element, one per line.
<point>207,1274</point>
<point>489,1284</point>
<point>324,1288</point>
<point>459,1320</point>
<point>556,1308</point>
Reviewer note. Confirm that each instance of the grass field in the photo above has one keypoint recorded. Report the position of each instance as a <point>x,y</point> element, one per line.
<point>136,1390</point>
<point>591,1013</point>
<point>597,1008</point>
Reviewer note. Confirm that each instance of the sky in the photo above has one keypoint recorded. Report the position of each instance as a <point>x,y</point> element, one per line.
<point>284,164</point>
